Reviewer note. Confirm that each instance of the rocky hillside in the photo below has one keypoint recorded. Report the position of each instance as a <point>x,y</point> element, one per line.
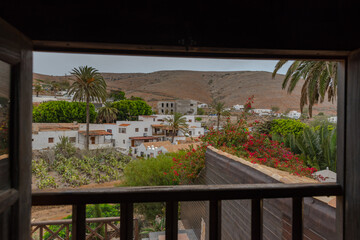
<point>230,87</point>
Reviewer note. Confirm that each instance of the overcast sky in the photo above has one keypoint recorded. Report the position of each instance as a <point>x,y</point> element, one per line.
<point>62,63</point>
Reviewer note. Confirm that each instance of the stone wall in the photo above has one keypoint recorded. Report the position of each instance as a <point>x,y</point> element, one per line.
<point>223,168</point>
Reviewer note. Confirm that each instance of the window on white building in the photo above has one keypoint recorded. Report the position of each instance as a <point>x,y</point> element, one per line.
<point>145,129</point>
<point>122,130</point>
<point>72,139</point>
<point>51,140</point>
<point>123,141</point>
<point>136,129</point>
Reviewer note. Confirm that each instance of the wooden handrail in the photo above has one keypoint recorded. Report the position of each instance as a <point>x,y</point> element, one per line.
<point>127,196</point>
<point>69,221</point>
<point>184,193</point>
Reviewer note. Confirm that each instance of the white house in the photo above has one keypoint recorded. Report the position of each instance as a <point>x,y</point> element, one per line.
<point>157,148</point>
<point>47,135</point>
<point>238,107</point>
<point>332,119</point>
<point>203,105</point>
<point>294,115</point>
<point>124,135</point>
<point>262,112</point>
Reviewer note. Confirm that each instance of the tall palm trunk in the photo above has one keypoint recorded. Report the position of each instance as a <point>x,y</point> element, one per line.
<point>218,121</point>
<point>87,122</point>
<point>173,136</point>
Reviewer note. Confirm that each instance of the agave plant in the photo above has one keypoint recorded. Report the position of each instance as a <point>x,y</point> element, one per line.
<point>318,147</point>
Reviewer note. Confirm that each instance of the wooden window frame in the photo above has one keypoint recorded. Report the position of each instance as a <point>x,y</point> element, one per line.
<point>348,110</point>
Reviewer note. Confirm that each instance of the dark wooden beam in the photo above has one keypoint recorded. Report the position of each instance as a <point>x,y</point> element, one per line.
<point>341,143</point>
<point>185,51</point>
<point>352,149</point>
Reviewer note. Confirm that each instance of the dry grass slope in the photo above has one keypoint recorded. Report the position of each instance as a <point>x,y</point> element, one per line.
<point>230,87</point>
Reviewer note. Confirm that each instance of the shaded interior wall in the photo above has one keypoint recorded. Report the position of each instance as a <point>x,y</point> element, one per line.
<point>319,218</point>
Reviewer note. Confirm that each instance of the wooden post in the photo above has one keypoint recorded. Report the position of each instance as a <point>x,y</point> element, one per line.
<point>171,219</point>
<point>256,219</point>
<point>297,218</point>
<point>126,221</point>
<point>215,220</point>
<point>78,221</point>
<point>350,173</point>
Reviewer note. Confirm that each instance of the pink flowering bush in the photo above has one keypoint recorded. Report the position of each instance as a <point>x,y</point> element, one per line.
<point>187,167</point>
<point>257,148</point>
<point>237,140</point>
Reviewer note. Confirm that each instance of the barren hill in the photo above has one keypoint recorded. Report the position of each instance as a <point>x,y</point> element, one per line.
<point>229,87</point>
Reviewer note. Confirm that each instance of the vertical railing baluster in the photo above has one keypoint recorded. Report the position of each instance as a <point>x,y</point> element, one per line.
<point>256,219</point>
<point>297,218</point>
<point>41,233</point>
<point>136,231</point>
<point>67,231</point>
<point>171,220</point>
<point>126,220</point>
<point>78,221</point>
<point>215,220</point>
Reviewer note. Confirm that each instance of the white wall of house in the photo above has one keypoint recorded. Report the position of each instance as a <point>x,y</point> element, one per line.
<point>135,129</point>
<point>332,119</point>
<point>294,114</point>
<point>100,142</point>
<point>121,133</point>
<point>48,139</point>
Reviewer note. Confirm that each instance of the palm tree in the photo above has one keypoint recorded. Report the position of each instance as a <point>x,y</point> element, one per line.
<point>55,87</point>
<point>219,109</point>
<point>88,86</point>
<point>177,123</point>
<point>320,79</point>
<point>38,89</point>
<point>107,113</point>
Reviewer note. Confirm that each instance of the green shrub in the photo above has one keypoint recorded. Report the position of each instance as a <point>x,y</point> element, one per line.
<point>284,127</point>
<point>198,119</point>
<point>62,112</point>
<point>150,172</point>
<point>65,147</point>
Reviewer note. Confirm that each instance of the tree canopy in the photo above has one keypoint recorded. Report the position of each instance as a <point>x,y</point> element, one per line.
<point>62,112</point>
<point>131,109</point>
<point>117,95</point>
<point>107,113</point>
<point>320,80</point>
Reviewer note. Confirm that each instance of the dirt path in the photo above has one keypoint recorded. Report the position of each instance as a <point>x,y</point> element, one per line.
<point>42,213</point>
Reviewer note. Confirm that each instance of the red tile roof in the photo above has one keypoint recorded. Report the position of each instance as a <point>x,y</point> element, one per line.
<point>95,133</point>
<point>143,138</point>
<point>124,125</point>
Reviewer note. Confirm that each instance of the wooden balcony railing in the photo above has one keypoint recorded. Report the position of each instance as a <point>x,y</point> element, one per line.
<point>172,195</point>
<point>111,229</point>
